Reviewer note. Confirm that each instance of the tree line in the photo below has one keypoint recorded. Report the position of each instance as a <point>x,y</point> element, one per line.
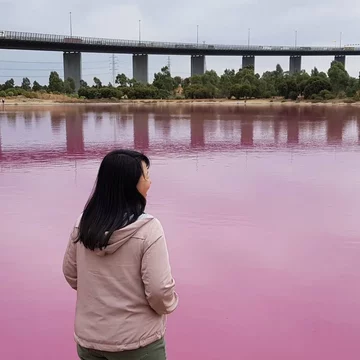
<point>241,84</point>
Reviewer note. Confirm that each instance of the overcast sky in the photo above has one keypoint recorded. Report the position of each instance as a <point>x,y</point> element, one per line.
<point>220,22</point>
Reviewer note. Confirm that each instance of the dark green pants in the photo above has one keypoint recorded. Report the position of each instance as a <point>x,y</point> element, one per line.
<point>154,351</point>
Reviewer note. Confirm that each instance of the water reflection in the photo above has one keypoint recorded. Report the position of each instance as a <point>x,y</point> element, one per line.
<point>141,130</point>
<point>74,133</point>
<point>84,131</point>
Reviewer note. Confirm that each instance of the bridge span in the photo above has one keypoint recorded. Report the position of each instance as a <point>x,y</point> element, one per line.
<point>73,46</point>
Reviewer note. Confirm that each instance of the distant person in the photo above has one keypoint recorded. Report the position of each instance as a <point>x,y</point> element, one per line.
<point>117,261</point>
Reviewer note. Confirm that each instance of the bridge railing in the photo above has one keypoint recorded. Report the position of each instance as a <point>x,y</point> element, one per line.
<point>48,38</point>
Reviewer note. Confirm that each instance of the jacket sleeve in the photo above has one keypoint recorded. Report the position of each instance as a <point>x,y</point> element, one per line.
<point>156,273</point>
<point>69,263</point>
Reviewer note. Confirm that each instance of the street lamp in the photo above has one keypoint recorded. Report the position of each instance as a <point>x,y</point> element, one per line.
<point>295,38</point>
<point>197,34</point>
<point>249,33</point>
<point>70,24</point>
<point>340,38</point>
<point>139,30</point>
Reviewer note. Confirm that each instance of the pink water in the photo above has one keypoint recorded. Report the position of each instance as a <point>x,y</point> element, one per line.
<point>261,209</point>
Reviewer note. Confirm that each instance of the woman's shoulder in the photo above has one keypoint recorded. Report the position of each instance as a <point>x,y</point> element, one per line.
<point>153,224</point>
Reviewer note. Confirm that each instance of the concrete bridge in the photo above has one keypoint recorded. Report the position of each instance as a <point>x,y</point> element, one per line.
<point>73,46</point>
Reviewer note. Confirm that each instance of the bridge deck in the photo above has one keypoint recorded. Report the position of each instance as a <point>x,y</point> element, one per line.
<point>48,42</point>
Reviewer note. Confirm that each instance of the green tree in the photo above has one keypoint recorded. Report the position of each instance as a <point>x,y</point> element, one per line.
<point>227,80</point>
<point>352,88</point>
<point>122,80</point>
<point>164,82</point>
<point>314,72</point>
<point>36,86</point>
<point>315,86</point>
<point>279,72</point>
<point>83,84</point>
<point>26,84</point>
<point>178,81</point>
<point>339,78</point>
<point>69,86</point>
<point>9,84</point>
<point>133,82</point>
<point>56,84</point>
<point>98,83</point>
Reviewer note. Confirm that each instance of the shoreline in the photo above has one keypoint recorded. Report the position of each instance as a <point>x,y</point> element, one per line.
<point>252,102</point>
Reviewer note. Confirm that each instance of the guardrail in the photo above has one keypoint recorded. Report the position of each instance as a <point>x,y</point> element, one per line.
<point>48,38</point>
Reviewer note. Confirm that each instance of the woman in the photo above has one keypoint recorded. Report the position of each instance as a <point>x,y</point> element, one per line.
<point>118,263</point>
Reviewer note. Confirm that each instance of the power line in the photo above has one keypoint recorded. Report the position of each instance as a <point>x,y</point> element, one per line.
<point>30,69</point>
<point>22,76</point>
<point>44,76</point>
<point>51,69</point>
<point>49,62</point>
<point>31,62</point>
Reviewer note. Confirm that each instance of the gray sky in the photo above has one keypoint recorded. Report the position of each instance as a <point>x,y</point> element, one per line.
<point>222,22</point>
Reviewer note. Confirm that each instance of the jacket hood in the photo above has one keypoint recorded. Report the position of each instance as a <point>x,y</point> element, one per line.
<point>122,236</point>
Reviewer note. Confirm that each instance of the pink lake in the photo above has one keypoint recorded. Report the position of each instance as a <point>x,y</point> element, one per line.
<point>260,206</point>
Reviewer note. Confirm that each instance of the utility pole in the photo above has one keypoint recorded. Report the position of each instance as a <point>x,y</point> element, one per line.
<point>249,33</point>
<point>113,69</point>
<point>169,64</point>
<point>340,39</point>
<point>139,30</point>
<point>113,66</point>
<point>197,34</point>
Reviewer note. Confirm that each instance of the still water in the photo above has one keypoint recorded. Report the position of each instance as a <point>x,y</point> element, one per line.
<point>261,210</point>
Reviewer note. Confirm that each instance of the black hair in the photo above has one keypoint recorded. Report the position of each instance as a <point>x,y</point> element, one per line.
<point>115,201</point>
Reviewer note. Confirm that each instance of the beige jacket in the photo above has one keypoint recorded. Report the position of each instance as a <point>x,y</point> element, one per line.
<point>124,291</point>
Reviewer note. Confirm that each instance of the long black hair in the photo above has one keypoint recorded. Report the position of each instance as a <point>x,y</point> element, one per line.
<point>115,201</point>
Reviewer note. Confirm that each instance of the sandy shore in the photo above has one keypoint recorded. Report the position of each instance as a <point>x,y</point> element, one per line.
<point>19,101</point>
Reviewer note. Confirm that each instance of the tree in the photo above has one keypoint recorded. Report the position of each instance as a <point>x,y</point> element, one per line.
<point>26,84</point>
<point>83,84</point>
<point>69,86</point>
<point>122,80</point>
<point>9,84</point>
<point>352,88</point>
<point>315,86</point>
<point>314,72</point>
<point>178,81</point>
<point>98,83</point>
<point>241,91</point>
<point>36,86</point>
<point>164,82</point>
<point>339,78</point>
<point>133,82</point>
<point>279,72</point>
<point>56,84</point>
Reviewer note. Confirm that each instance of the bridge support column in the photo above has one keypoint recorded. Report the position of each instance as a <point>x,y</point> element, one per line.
<point>72,67</point>
<point>197,65</point>
<point>295,64</point>
<point>140,67</point>
<point>340,59</point>
<point>248,60</point>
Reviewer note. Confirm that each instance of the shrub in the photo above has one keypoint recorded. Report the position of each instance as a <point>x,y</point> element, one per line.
<point>327,95</point>
<point>293,95</point>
